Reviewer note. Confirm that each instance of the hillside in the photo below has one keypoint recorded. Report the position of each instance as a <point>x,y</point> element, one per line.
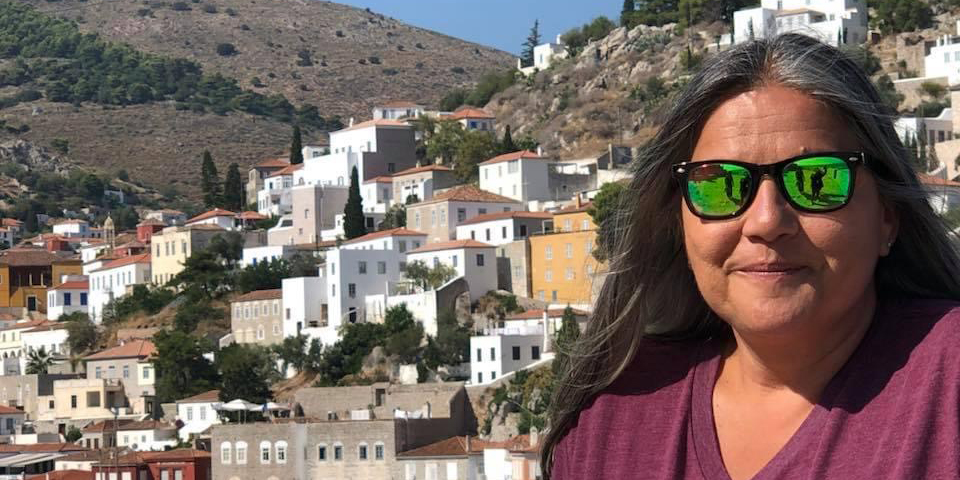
<point>356,58</point>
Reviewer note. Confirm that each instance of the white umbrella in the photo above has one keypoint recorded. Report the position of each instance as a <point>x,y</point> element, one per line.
<point>273,407</point>
<point>238,405</point>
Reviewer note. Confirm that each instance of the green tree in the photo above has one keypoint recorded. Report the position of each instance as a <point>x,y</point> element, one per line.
<point>81,335</point>
<point>429,278</point>
<point>296,147</point>
<point>354,223</point>
<point>73,434</point>
<point>451,346</point>
<point>404,334</point>
<point>181,368</point>
<point>444,143</point>
<point>228,247</point>
<point>203,276</point>
<point>507,145</point>
<point>888,93</point>
<point>209,181</point>
<point>266,275</point>
<point>477,146</point>
<point>604,211</point>
<point>626,13</point>
<point>233,190</point>
<point>292,352</point>
<point>245,373</point>
<point>39,361</point>
<point>396,217</point>
<point>533,39</point>
<point>896,16</point>
<point>564,342</point>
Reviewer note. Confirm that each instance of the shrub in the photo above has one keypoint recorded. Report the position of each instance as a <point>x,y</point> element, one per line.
<point>180,7</point>
<point>420,46</point>
<point>61,145</point>
<point>340,34</point>
<point>304,60</point>
<point>144,12</point>
<point>362,61</point>
<point>374,60</point>
<point>390,71</point>
<point>255,81</point>
<point>209,8</point>
<point>458,70</point>
<point>245,27</point>
<point>232,13</point>
<point>226,49</point>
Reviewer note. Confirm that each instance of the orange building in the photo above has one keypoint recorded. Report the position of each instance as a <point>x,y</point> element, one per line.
<point>562,267</point>
<point>26,273</point>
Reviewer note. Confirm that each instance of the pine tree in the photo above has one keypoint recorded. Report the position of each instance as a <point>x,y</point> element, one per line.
<point>233,189</point>
<point>507,145</point>
<point>532,41</point>
<point>628,8</point>
<point>210,181</point>
<point>353,221</point>
<point>296,147</point>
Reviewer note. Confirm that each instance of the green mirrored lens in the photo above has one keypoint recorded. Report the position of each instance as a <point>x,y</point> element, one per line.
<point>818,183</point>
<point>718,189</point>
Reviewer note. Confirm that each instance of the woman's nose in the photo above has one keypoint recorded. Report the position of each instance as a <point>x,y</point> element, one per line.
<point>769,216</point>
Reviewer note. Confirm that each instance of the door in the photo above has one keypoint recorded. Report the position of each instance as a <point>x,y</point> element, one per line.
<point>32,303</point>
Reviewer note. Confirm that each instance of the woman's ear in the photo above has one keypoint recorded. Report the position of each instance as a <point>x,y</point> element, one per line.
<point>889,227</point>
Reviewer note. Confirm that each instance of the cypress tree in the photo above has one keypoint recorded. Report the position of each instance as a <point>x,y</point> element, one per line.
<point>233,189</point>
<point>565,340</point>
<point>210,181</point>
<point>532,41</point>
<point>628,8</point>
<point>353,222</point>
<point>296,147</point>
<point>507,145</point>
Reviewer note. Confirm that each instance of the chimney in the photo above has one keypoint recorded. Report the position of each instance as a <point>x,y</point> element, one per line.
<point>558,39</point>
<point>534,437</point>
<point>576,198</point>
<point>539,151</point>
<point>544,321</point>
<point>351,122</point>
<point>468,444</point>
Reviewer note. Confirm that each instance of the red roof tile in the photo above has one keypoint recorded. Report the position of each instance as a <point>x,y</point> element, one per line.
<point>124,261</point>
<point>151,221</point>
<point>451,245</point>
<point>216,212</point>
<point>489,217</point>
<point>467,193</point>
<point>470,112</point>
<point>5,410</point>
<point>506,157</point>
<point>393,232</point>
<point>450,447</point>
<point>380,179</point>
<point>250,215</point>
<point>147,425</point>
<point>400,104</point>
<point>105,426</point>
<point>260,295</point>
<point>208,396</point>
<point>935,181</point>
<point>288,170</point>
<point>63,475</point>
<point>29,257</point>
<point>73,285</point>
<point>538,313</point>
<point>135,348</point>
<point>375,123</point>
<point>10,222</point>
<point>40,448</point>
<point>424,168</point>
<point>26,325</point>
<point>273,163</point>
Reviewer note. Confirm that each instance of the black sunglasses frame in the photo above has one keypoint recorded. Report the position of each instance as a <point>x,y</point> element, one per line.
<point>681,172</point>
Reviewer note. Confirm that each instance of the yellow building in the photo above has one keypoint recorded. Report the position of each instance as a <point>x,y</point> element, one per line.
<point>562,267</point>
<point>84,399</point>
<point>26,273</point>
<point>173,245</point>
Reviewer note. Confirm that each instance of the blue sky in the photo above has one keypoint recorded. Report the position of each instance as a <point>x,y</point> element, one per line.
<point>502,24</point>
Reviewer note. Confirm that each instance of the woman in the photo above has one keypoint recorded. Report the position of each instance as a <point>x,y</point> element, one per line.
<point>789,330</point>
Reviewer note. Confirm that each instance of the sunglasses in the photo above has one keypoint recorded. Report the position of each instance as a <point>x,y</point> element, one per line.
<point>814,183</point>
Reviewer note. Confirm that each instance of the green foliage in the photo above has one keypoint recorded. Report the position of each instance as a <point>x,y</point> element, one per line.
<point>296,147</point>
<point>210,181</point>
<point>263,276</point>
<point>444,143</point>
<point>863,57</point>
<point>73,434</point>
<point>192,313</point>
<point>354,223</point>
<point>181,368</point>
<point>533,39</point>
<point>578,38</point>
<point>396,217</point>
<point>39,361</point>
<point>689,61</point>
<point>292,352</point>
<point>203,276</point>
<point>896,16</point>
<point>506,144</point>
<point>233,189</point>
<point>564,342</point>
<point>141,299</point>
<point>451,346</point>
<point>246,372</point>
<point>429,278</point>
<point>490,84</point>
<point>404,334</point>
<point>452,100</point>
<point>933,90</point>
<point>477,146</point>
<point>226,49</point>
<point>60,145</point>
<point>346,356</point>
<point>888,93</point>
<point>604,210</point>
<point>228,247</point>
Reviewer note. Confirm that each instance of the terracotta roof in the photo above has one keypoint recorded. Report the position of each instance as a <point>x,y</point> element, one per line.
<point>288,170</point>
<point>935,181</point>
<point>124,261</point>
<point>207,226</point>
<point>71,221</point>
<point>574,208</point>
<point>40,448</point>
<point>393,232</point>
<point>260,295</point>
<point>25,325</point>
<point>85,456</point>
<point>28,257</point>
<point>135,348</point>
<point>49,327</point>
<point>147,425</point>
<point>8,316</point>
<point>273,163</point>
<point>73,285</point>
<point>399,104</point>
<point>151,221</point>
<point>796,11</point>
<point>470,112</point>
<point>216,212</point>
<point>375,123</point>
<point>105,426</point>
<point>424,168</point>
<point>451,447</point>
<point>5,410</point>
<point>489,217</point>
<point>380,179</point>
<point>133,244</point>
<point>137,458</point>
<point>451,245</point>
<point>467,193</point>
<point>506,157</point>
<point>63,475</point>
<point>205,397</point>
<point>538,313</point>
<point>250,215</point>
<point>10,222</point>
<point>168,211</point>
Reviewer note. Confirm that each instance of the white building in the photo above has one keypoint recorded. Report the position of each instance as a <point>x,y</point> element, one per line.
<point>474,261</point>
<point>51,337</point>
<point>377,194</point>
<point>224,219</point>
<point>305,309</point>
<point>472,118</point>
<point>73,228</point>
<point>197,414</point>
<point>397,111</point>
<point>90,252</point>
<point>276,197</point>
<point>353,273</point>
<point>528,176</point>
<point>504,350</point>
<point>836,22</point>
<point>68,297</point>
<point>944,58</point>
<point>115,279</point>
<point>399,239</point>
<point>938,129</point>
<point>543,56</point>
<point>147,436</point>
<point>166,216</point>
<point>504,227</point>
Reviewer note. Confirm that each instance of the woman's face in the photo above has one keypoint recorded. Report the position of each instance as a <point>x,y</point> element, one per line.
<point>773,269</point>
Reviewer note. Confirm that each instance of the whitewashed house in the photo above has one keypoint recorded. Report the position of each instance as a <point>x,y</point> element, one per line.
<point>276,197</point>
<point>72,228</point>
<point>115,279</point>
<point>51,337</point>
<point>544,55</point>
<point>938,129</point>
<point>528,176</point>
<point>474,261</point>
<point>305,309</point>
<point>197,414</point>
<point>377,194</point>
<point>68,297</point>
<point>835,22</point>
<point>397,110</point>
<point>224,219</point>
<point>504,227</point>
<point>147,436</point>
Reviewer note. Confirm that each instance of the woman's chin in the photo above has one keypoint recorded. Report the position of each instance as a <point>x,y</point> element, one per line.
<point>772,316</point>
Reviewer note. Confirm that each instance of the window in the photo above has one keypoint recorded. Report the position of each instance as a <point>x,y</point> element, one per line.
<point>333,269</point>
<point>260,335</point>
<point>548,252</point>
<point>363,268</point>
<point>416,219</point>
<point>281,447</point>
<point>430,471</point>
<point>461,214</point>
<point>66,299</point>
<point>433,218</point>
<point>411,471</point>
<point>146,373</point>
<point>98,372</point>
<point>588,246</point>
<point>454,258</point>
<point>241,453</point>
<point>73,401</point>
<point>338,452</point>
<point>493,354</point>
<point>362,451</point>
<point>481,211</point>
<point>585,225</point>
<point>503,232</point>
<point>540,295</point>
<point>513,166</point>
<point>352,290</point>
<point>164,475</point>
<point>493,376</point>
<point>452,471</point>
<point>569,250</point>
<point>535,352</point>
<point>548,275</point>
<point>378,451</point>
<point>443,216</point>
<point>569,273</point>
<point>126,371</point>
<point>553,295</point>
<point>487,232</point>
<point>322,452</point>
<point>516,353</point>
<point>567,225</point>
<point>381,268</point>
<point>225,452</point>
<point>276,329</point>
<point>402,246</point>
<point>83,299</point>
<point>265,452</point>
<point>203,412</point>
<point>479,355</point>
<point>479,377</point>
<point>479,259</point>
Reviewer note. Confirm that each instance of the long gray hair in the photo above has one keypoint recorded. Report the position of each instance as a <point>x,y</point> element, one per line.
<point>650,291</point>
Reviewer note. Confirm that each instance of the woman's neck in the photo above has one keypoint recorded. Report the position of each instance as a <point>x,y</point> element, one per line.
<point>801,362</point>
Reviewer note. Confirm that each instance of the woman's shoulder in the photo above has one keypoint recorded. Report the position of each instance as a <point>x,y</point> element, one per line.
<point>921,327</point>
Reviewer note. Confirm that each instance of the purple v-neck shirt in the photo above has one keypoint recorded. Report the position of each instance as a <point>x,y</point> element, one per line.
<point>891,412</point>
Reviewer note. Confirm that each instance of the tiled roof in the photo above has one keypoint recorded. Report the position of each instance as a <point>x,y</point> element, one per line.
<point>147,425</point>
<point>380,179</point>
<point>273,163</point>
<point>451,245</point>
<point>73,285</point>
<point>393,232</point>
<point>424,168</point>
<point>124,261</point>
<point>26,325</point>
<point>168,211</point>
<point>40,448</point>
<point>936,181</point>
<point>183,454</point>
<point>467,193</point>
<point>5,410</point>
<point>151,221</point>
<point>538,313</point>
<point>574,208</point>
<point>288,170</point>
<point>104,426</point>
<point>216,212</point>
<point>489,217</point>
<point>451,447</point>
<point>470,112</point>
<point>63,475</point>
<point>260,295</point>
<point>205,397</point>
<point>522,154</point>
<point>375,123</point>
<point>135,348</point>
<point>133,244</point>
<point>84,456</point>
<point>10,222</point>
<point>250,215</point>
<point>48,327</point>
<point>28,257</point>
<point>399,104</point>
